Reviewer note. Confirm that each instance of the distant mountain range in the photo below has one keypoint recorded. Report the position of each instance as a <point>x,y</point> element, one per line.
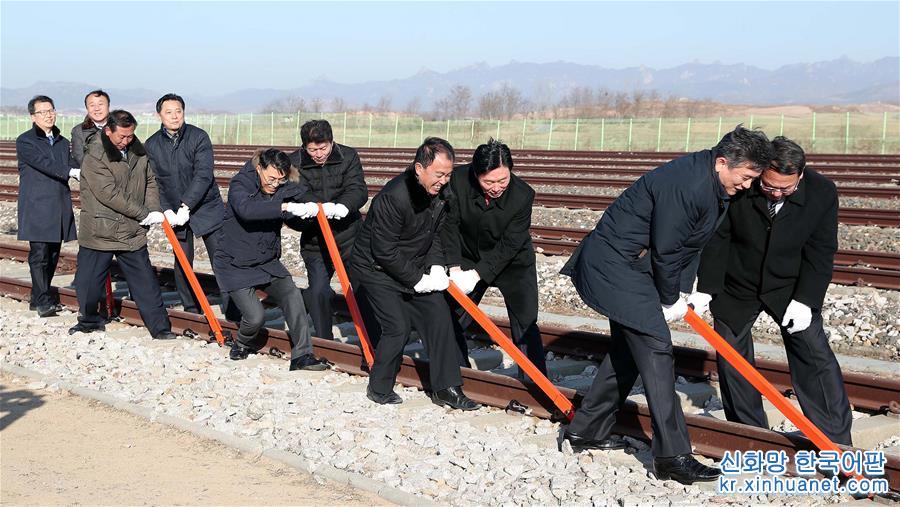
<point>840,81</point>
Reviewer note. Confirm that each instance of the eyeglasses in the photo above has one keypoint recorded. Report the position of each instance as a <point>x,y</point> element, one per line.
<point>313,151</point>
<point>44,114</point>
<point>275,181</point>
<point>782,191</point>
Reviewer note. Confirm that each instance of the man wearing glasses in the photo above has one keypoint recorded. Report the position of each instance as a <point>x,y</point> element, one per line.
<point>261,198</point>
<point>333,175</point>
<point>775,253</point>
<point>44,208</point>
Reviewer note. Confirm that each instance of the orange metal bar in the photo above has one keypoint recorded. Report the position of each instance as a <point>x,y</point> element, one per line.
<point>561,402</point>
<point>195,284</point>
<point>762,385</point>
<point>335,254</point>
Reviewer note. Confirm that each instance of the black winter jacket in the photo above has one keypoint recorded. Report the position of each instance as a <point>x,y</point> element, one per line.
<point>646,245</point>
<point>184,173</point>
<point>751,258</point>
<point>339,180</point>
<point>487,237</point>
<point>45,202</point>
<point>400,239</point>
<point>250,237</point>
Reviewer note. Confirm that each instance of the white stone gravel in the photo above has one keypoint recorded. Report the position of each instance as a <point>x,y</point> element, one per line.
<point>477,458</point>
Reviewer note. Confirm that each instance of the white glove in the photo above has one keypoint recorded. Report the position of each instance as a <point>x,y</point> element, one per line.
<point>439,280</point>
<point>465,280</point>
<point>700,301</point>
<point>183,215</point>
<point>328,208</point>
<point>423,285</point>
<point>171,217</point>
<point>800,314</point>
<point>75,173</point>
<point>675,311</point>
<point>303,209</point>
<point>154,218</point>
<point>340,211</point>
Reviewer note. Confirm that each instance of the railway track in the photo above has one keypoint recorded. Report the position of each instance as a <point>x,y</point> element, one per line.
<point>880,270</point>
<point>711,437</point>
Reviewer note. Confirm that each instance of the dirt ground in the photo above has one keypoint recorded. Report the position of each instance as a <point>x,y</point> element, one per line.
<point>58,448</point>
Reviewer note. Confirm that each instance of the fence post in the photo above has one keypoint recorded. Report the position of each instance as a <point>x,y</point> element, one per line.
<point>396,128</point>
<point>847,134</point>
<point>883,132</point>
<point>687,140</point>
<point>630,127</point>
<point>751,122</point>
<point>421,130</point>
<point>344,139</point>
<point>224,127</point>
<point>659,134</point>
<point>369,143</point>
<point>237,133</point>
<point>602,133</point>
<point>272,128</point>
<point>297,131</point>
<point>472,136</point>
<point>251,128</point>
<point>447,137</point>
<point>550,137</point>
<point>813,144</point>
<point>524,122</point>
<point>718,132</point>
<point>576,135</point>
<point>498,130</point>
<point>781,129</point>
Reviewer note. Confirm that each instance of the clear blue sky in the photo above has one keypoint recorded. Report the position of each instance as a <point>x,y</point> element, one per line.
<point>217,47</point>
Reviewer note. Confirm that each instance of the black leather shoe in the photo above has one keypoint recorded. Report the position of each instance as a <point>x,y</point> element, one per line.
<point>165,335</point>
<point>684,469</point>
<point>580,443</point>
<point>391,398</point>
<point>308,362</point>
<point>238,351</point>
<point>47,311</point>
<point>86,328</point>
<point>454,397</point>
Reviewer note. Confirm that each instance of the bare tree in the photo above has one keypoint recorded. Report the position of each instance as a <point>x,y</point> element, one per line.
<point>316,105</point>
<point>460,101</point>
<point>414,106</point>
<point>384,104</point>
<point>289,104</point>
<point>338,105</point>
<point>502,103</point>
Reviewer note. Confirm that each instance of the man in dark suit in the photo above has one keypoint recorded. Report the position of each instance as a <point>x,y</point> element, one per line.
<point>44,210</point>
<point>488,244</point>
<point>775,253</point>
<point>631,268</point>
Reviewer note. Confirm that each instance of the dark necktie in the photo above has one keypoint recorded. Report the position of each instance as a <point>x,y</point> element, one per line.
<point>50,139</point>
<point>772,205</point>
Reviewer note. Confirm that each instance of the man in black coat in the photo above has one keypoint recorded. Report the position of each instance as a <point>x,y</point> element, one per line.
<point>398,274</point>
<point>260,201</point>
<point>631,268</point>
<point>333,176</point>
<point>487,242</point>
<point>775,253</point>
<point>44,210</point>
<point>181,155</point>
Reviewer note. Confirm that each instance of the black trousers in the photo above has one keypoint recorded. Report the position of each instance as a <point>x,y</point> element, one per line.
<point>42,260</point>
<point>287,296</point>
<point>188,299</point>
<point>90,282</point>
<point>520,295</point>
<point>815,375</point>
<point>317,297</point>
<point>632,353</point>
<point>389,315</point>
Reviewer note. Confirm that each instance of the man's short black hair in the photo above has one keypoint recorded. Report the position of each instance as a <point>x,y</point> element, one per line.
<point>96,93</point>
<point>742,146</point>
<point>39,98</point>
<point>275,158</point>
<point>169,96</point>
<point>120,118</point>
<point>490,156</point>
<point>316,131</point>
<point>788,156</point>
<point>429,149</point>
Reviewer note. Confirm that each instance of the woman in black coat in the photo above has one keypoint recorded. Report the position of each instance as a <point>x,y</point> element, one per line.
<point>332,175</point>
<point>487,241</point>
